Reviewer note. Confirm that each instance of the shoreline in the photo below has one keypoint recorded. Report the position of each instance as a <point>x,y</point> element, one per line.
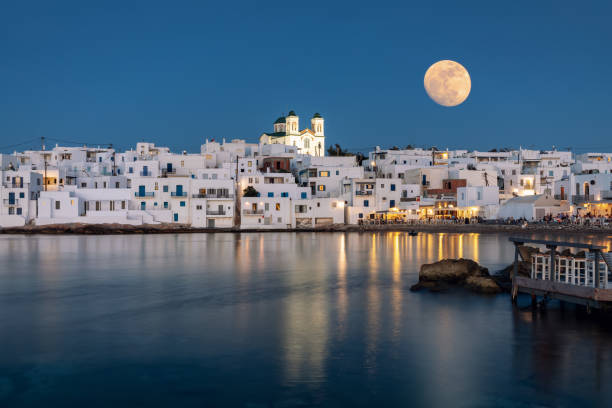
<point>122,229</point>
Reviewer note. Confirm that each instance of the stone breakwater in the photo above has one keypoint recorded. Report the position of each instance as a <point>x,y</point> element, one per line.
<point>560,230</point>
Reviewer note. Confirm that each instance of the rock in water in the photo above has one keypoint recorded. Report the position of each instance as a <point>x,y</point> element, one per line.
<point>482,284</point>
<point>460,272</point>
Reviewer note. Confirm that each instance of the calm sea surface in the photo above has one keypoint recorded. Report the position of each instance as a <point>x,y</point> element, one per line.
<point>280,320</point>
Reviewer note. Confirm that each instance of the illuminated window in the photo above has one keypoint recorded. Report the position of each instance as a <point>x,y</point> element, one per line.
<point>324,174</point>
<point>321,187</point>
<point>277,206</point>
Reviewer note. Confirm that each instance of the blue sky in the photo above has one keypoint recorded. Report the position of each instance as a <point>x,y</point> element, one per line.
<point>178,72</point>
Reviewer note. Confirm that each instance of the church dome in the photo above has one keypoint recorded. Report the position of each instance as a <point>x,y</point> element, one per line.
<point>280,120</point>
<point>316,115</point>
<point>291,113</point>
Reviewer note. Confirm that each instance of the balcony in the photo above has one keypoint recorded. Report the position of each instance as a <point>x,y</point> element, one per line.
<point>176,194</point>
<point>581,199</point>
<point>16,185</point>
<point>215,212</point>
<point>145,173</point>
<point>226,196</point>
<point>145,194</point>
<point>252,212</point>
<point>363,193</point>
<point>166,172</point>
<point>408,199</point>
<point>7,201</point>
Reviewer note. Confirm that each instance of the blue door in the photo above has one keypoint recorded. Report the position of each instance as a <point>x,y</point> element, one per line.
<point>141,191</point>
<point>143,205</point>
<point>145,170</point>
<point>424,179</point>
<point>175,217</point>
<point>11,198</point>
<point>391,203</point>
<point>179,190</point>
<point>169,167</point>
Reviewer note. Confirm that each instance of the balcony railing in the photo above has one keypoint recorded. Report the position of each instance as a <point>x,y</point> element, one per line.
<point>408,199</point>
<point>215,212</point>
<point>7,201</point>
<point>581,199</point>
<point>146,173</point>
<point>17,185</point>
<point>364,192</point>
<point>176,194</point>
<point>253,212</point>
<point>145,194</point>
<point>212,196</point>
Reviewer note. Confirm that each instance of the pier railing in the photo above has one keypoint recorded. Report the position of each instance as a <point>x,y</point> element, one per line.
<point>583,279</point>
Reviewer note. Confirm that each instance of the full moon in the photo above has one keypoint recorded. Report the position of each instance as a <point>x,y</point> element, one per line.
<point>447,83</point>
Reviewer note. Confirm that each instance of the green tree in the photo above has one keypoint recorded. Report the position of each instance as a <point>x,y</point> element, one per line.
<point>250,192</point>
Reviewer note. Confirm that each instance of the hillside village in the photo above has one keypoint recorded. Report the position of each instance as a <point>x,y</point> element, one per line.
<point>286,180</point>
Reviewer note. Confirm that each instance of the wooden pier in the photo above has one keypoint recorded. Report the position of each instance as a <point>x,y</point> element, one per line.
<point>584,281</point>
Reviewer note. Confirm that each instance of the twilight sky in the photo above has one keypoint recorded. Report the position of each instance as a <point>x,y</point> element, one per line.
<point>177,72</point>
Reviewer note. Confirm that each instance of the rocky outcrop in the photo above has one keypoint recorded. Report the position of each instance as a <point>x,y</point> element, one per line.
<point>448,273</point>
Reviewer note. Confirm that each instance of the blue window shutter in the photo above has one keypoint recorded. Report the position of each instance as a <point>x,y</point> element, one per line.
<point>182,203</point>
<point>392,187</point>
<point>366,203</point>
<point>270,194</point>
<point>304,195</point>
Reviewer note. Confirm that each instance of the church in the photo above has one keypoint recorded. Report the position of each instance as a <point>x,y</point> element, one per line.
<point>286,131</point>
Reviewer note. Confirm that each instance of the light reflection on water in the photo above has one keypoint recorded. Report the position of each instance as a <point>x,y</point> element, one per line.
<point>280,319</point>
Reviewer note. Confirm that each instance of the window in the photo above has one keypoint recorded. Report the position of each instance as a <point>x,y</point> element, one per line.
<point>182,204</point>
<point>22,195</point>
<point>117,184</point>
<point>550,173</point>
<point>57,205</point>
<point>250,163</point>
<point>392,187</point>
<point>514,172</point>
<point>165,189</point>
<point>321,187</point>
<point>112,205</point>
<point>267,206</point>
<point>277,206</point>
<point>284,194</point>
<point>198,207</point>
<point>366,203</point>
<point>305,195</point>
<point>165,204</point>
<point>462,196</point>
<point>360,215</point>
<point>503,172</point>
<point>270,194</point>
<point>479,195</point>
<point>324,174</point>
<point>130,170</point>
<point>123,205</point>
<point>98,206</point>
<point>156,186</point>
<point>18,210</point>
<point>318,204</point>
<point>391,203</point>
<point>337,172</point>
